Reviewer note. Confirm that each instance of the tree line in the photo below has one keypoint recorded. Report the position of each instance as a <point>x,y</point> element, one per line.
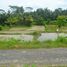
<point>17,16</point>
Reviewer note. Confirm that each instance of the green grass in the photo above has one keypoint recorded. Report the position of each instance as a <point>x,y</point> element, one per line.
<point>32,29</point>
<point>18,44</point>
<point>53,28</point>
<point>49,28</point>
<point>32,65</point>
<point>20,28</point>
<point>23,30</point>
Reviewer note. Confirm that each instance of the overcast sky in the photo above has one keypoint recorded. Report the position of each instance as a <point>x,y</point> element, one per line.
<point>51,4</point>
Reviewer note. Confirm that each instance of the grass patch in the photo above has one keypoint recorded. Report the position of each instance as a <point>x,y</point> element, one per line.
<point>32,65</point>
<point>18,44</point>
<point>20,28</point>
<point>53,28</point>
<point>34,30</point>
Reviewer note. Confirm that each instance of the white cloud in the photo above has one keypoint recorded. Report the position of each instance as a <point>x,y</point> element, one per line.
<point>51,4</point>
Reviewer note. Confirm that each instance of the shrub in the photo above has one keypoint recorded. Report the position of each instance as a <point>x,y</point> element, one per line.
<point>1,28</point>
<point>62,39</point>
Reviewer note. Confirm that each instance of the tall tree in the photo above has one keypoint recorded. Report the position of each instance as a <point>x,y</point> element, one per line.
<point>17,10</point>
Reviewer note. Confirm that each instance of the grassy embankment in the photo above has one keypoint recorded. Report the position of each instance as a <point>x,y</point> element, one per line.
<point>61,42</point>
<point>27,30</point>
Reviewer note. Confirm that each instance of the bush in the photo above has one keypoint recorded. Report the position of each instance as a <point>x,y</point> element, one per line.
<point>62,39</point>
<point>1,28</point>
<point>36,33</point>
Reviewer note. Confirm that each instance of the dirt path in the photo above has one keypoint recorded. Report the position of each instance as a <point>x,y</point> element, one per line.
<point>38,56</point>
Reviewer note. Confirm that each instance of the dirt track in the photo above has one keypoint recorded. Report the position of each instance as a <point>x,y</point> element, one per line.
<point>37,56</point>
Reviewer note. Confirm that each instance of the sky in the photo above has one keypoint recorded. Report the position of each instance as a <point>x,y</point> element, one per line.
<point>51,4</point>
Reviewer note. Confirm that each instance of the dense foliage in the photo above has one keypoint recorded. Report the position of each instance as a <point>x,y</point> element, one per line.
<point>18,16</point>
